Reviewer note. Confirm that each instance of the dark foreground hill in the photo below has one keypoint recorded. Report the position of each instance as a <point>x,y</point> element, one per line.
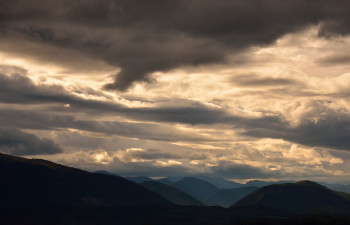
<point>195,187</point>
<point>174,195</point>
<point>300,196</point>
<point>26,182</point>
<point>227,197</point>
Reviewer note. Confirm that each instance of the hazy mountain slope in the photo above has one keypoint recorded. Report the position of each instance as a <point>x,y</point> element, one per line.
<point>165,181</point>
<point>221,182</point>
<point>174,195</point>
<point>40,182</point>
<point>260,183</point>
<point>300,196</point>
<point>139,179</point>
<point>339,187</point>
<point>195,187</point>
<point>227,197</point>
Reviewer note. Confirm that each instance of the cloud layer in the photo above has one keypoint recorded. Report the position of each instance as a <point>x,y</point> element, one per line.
<point>139,38</point>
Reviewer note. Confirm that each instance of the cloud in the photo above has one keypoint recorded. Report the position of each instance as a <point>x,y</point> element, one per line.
<point>20,89</point>
<point>319,125</point>
<point>137,154</point>
<point>139,38</point>
<point>309,156</point>
<point>258,81</point>
<point>334,60</point>
<point>330,128</point>
<point>14,141</point>
<point>30,119</point>
<point>243,171</point>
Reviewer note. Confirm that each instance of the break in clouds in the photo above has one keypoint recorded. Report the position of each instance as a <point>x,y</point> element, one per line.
<point>239,89</point>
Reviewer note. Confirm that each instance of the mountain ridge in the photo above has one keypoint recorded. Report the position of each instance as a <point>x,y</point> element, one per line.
<point>41,182</point>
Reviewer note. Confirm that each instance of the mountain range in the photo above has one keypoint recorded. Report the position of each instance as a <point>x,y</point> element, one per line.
<point>36,191</point>
<point>216,191</point>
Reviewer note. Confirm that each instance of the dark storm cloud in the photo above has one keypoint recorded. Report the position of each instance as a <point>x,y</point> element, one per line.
<point>332,131</point>
<point>150,154</point>
<point>325,127</point>
<point>258,81</point>
<point>141,37</point>
<point>14,141</point>
<point>195,114</point>
<point>20,89</point>
<point>334,60</point>
<point>30,119</point>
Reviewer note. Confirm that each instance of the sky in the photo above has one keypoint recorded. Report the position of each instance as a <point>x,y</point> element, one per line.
<point>239,89</point>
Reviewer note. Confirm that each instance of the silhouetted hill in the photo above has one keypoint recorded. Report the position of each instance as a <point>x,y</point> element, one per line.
<point>139,179</point>
<point>227,197</point>
<point>221,182</point>
<point>172,194</point>
<point>300,196</point>
<point>38,182</point>
<point>195,187</point>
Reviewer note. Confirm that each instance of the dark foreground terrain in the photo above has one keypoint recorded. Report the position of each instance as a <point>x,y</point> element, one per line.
<point>160,215</point>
